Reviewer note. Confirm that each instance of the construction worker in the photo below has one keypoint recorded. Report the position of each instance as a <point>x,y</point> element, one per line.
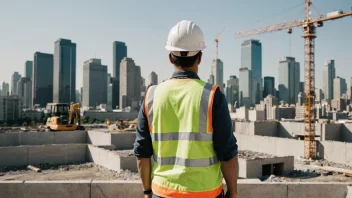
<point>184,124</point>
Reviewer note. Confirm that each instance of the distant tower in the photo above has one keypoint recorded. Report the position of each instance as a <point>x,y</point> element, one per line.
<point>42,79</point>
<point>251,58</point>
<point>269,86</point>
<point>245,86</point>
<point>340,87</point>
<point>328,79</point>
<point>64,71</point>
<point>153,79</point>
<point>218,72</point>
<point>289,80</point>
<point>14,79</point>
<point>28,67</point>
<point>94,83</point>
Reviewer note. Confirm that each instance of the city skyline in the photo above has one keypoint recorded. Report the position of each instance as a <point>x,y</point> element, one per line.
<point>142,38</point>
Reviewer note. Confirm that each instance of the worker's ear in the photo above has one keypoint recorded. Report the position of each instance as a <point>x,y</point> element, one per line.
<point>200,58</point>
<point>170,59</point>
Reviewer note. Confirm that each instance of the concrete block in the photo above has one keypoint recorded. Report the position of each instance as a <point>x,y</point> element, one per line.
<point>128,163</point>
<point>92,154</point>
<point>11,189</point>
<point>70,137</point>
<point>36,138</point>
<point>56,189</point>
<point>98,138</point>
<point>289,147</point>
<point>317,190</point>
<point>266,145</point>
<point>348,156</point>
<point>268,190</point>
<point>266,128</point>
<point>75,153</point>
<point>13,156</point>
<point>10,139</point>
<point>349,192</point>
<point>242,168</point>
<point>51,154</point>
<point>116,189</point>
<point>123,141</point>
<point>107,147</point>
<point>334,151</point>
<point>113,162</point>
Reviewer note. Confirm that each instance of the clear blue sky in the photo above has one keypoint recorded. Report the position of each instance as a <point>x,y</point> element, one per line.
<point>30,26</point>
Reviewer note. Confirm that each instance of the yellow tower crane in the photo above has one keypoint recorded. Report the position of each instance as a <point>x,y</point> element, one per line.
<point>309,27</point>
<point>217,42</point>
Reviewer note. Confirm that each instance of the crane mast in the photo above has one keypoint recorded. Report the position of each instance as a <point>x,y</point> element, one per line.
<point>309,34</point>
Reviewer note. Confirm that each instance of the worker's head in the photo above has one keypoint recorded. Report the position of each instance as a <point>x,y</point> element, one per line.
<point>185,43</point>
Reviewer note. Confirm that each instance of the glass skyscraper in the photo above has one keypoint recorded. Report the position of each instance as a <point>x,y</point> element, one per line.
<point>218,72</point>
<point>245,86</point>
<point>119,52</point>
<point>14,80</point>
<point>251,58</point>
<point>42,79</point>
<point>328,79</point>
<point>64,71</point>
<point>289,80</point>
<point>269,86</point>
<point>28,67</point>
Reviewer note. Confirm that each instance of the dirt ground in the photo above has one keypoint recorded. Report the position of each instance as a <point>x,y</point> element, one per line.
<point>88,171</point>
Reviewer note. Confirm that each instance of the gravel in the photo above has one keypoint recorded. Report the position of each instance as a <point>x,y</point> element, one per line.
<point>245,154</point>
<point>124,153</point>
<point>322,163</point>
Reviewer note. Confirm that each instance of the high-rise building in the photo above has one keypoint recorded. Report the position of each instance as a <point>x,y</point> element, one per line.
<point>245,86</point>
<point>94,83</point>
<point>78,96</point>
<point>269,86</point>
<point>24,92</point>
<point>218,72</point>
<point>301,87</point>
<point>328,79</point>
<point>340,87</point>
<point>28,68</point>
<point>211,79</point>
<point>232,90</point>
<point>10,108</point>
<point>14,80</point>
<point>119,52</point>
<point>152,79</point>
<point>289,80</point>
<point>113,100</point>
<point>42,79</point>
<point>251,58</point>
<point>64,71</point>
<point>144,87</point>
<point>318,95</point>
<point>130,94</point>
<point>5,89</point>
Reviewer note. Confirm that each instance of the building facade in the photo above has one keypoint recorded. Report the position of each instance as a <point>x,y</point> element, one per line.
<point>28,68</point>
<point>42,79</point>
<point>269,86</point>
<point>10,108</point>
<point>95,84</point>
<point>152,79</point>
<point>340,87</point>
<point>218,72</point>
<point>14,80</point>
<point>113,99</point>
<point>328,79</point>
<point>245,86</point>
<point>130,84</point>
<point>5,89</point>
<point>232,91</point>
<point>119,52</point>
<point>251,58</point>
<point>64,87</point>
<point>24,92</point>
<point>289,80</point>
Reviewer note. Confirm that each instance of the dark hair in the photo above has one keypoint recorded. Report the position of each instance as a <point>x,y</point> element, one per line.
<point>187,61</point>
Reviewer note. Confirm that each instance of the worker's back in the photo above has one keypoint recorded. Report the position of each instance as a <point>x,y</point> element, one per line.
<point>179,114</point>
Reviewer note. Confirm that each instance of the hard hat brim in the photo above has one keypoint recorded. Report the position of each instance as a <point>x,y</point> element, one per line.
<point>176,49</point>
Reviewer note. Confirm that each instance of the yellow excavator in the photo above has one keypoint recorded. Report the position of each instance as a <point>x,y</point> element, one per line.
<point>63,117</point>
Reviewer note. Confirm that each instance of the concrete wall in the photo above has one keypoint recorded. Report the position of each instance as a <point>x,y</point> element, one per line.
<point>51,154</point>
<point>338,152</point>
<point>266,128</point>
<point>111,160</point>
<point>346,132</point>
<point>41,138</point>
<point>124,140</point>
<point>113,189</point>
<point>331,132</point>
<point>99,138</point>
<point>271,145</point>
<point>244,128</point>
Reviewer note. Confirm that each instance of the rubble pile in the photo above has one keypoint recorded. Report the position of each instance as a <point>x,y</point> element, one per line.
<point>246,154</point>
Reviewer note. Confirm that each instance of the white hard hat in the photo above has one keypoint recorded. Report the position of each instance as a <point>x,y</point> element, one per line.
<point>185,36</point>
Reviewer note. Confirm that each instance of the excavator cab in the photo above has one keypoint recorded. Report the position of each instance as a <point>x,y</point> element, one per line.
<point>63,117</point>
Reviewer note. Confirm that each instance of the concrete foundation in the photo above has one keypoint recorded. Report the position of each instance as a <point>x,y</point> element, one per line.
<point>51,154</point>
<point>255,168</point>
<point>41,138</point>
<point>112,189</point>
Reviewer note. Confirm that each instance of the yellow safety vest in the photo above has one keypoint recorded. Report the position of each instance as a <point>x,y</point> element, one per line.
<point>179,113</point>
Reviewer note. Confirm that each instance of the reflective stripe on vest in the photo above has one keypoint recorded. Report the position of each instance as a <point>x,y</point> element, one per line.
<point>186,162</point>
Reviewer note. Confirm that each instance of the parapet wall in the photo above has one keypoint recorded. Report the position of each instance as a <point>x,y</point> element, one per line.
<point>113,189</point>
